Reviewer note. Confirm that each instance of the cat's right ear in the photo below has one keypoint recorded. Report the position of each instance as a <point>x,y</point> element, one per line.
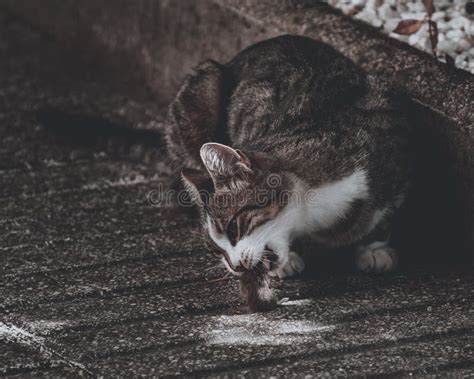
<point>197,108</point>
<point>198,185</point>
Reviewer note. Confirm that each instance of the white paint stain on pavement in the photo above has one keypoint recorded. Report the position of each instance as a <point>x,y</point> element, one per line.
<point>16,334</point>
<point>289,303</point>
<point>258,329</point>
<point>44,327</point>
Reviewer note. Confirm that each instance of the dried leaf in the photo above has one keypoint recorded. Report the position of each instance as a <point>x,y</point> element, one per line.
<point>449,60</point>
<point>433,34</point>
<point>407,27</point>
<point>429,7</point>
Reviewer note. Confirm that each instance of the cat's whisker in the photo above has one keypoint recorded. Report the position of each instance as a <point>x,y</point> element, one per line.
<point>220,265</point>
<point>225,277</point>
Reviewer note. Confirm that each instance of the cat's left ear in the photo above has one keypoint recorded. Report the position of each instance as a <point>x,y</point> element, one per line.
<point>224,162</point>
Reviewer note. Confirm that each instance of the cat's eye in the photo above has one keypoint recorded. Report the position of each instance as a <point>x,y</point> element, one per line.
<point>232,231</point>
<point>260,204</point>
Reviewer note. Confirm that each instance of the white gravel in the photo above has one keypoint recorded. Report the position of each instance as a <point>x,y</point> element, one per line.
<point>455,25</point>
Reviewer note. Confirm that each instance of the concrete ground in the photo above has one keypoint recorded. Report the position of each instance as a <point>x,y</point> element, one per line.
<point>97,282</point>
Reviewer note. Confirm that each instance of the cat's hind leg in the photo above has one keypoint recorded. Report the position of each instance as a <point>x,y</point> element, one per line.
<point>376,257</point>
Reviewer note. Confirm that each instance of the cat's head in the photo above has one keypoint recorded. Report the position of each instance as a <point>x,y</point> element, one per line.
<point>247,206</point>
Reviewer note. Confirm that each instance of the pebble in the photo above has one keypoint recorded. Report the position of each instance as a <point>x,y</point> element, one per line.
<point>391,24</point>
<point>386,11</point>
<point>464,45</point>
<point>438,16</point>
<point>444,45</point>
<point>442,26</point>
<point>453,34</point>
<point>455,21</point>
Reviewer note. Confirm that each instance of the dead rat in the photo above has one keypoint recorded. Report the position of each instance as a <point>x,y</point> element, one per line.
<point>255,287</point>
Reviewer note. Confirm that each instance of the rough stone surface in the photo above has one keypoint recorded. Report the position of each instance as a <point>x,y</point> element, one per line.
<point>95,281</point>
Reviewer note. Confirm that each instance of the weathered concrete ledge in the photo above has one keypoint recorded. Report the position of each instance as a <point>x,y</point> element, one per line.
<point>148,46</point>
<point>160,41</point>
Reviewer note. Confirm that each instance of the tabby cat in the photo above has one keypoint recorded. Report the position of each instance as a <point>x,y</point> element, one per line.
<point>291,141</point>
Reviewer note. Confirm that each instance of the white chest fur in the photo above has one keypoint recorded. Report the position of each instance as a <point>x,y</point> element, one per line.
<point>330,202</point>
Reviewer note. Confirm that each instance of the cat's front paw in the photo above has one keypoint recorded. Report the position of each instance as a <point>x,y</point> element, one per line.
<point>376,257</point>
<point>293,265</point>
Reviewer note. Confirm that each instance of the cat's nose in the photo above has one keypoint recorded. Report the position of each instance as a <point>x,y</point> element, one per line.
<point>267,262</point>
<point>240,267</point>
<point>245,264</point>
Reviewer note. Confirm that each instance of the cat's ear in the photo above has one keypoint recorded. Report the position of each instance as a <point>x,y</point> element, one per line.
<point>196,110</point>
<point>224,162</point>
<point>197,184</point>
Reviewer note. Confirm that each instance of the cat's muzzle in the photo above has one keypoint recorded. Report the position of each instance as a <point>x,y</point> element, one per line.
<point>267,262</point>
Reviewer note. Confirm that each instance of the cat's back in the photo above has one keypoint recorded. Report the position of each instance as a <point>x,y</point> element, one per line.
<point>288,80</point>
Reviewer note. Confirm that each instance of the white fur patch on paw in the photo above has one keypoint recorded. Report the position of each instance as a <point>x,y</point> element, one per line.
<point>294,265</point>
<point>377,257</point>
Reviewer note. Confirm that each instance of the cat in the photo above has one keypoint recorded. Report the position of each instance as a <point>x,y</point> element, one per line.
<point>286,142</point>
